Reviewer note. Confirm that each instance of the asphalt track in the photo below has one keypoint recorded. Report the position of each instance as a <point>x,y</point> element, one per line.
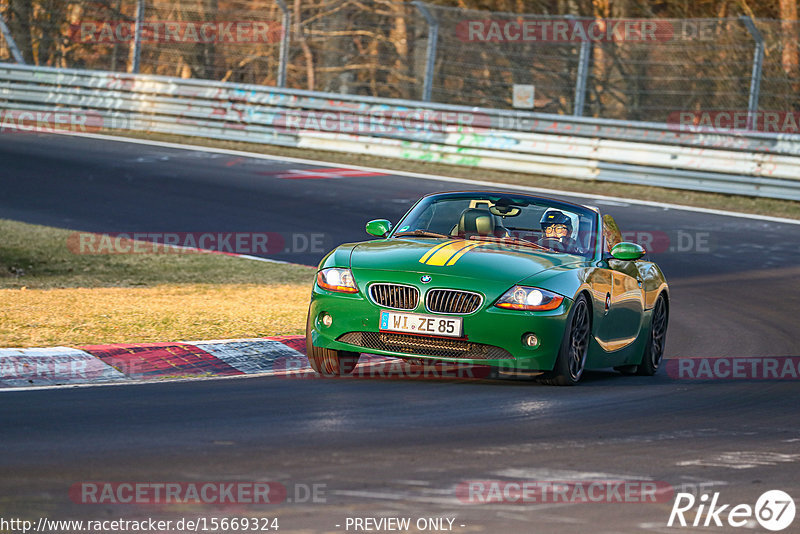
<point>400,447</point>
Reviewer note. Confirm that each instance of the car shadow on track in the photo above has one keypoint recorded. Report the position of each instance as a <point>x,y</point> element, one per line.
<point>395,370</point>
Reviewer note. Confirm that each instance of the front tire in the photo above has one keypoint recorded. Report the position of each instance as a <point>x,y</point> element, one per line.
<point>654,350</point>
<point>328,362</point>
<point>571,358</point>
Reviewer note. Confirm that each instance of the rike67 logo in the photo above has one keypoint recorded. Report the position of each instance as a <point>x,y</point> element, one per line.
<point>774,510</point>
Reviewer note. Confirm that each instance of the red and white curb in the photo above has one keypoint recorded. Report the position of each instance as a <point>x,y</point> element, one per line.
<point>121,363</point>
<point>54,366</point>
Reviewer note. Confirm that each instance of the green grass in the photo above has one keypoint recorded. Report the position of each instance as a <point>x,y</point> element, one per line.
<point>35,256</point>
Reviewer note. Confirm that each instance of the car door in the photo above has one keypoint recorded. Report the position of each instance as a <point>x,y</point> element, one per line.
<point>624,299</point>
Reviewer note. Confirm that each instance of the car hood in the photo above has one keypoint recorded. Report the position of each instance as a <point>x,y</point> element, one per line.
<point>456,257</point>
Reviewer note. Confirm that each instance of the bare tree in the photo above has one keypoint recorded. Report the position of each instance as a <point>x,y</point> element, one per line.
<point>20,19</point>
<point>789,24</point>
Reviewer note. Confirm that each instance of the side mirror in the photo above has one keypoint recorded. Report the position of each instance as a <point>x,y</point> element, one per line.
<point>379,227</point>
<point>627,251</point>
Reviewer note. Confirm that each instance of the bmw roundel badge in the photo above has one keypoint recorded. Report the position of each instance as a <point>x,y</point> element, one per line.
<point>425,279</point>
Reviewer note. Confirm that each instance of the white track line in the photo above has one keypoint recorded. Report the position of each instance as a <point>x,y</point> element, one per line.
<point>422,176</point>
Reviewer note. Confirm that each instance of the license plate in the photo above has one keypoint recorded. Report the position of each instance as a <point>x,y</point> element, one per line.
<point>415,323</point>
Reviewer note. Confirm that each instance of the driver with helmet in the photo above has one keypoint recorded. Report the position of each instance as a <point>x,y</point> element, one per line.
<point>557,231</point>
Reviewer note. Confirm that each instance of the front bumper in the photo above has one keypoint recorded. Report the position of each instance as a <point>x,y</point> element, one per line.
<point>492,336</point>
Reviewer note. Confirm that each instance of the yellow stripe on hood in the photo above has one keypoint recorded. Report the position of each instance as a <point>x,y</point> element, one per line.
<point>463,251</point>
<point>448,253</point>
<point>430,253</point>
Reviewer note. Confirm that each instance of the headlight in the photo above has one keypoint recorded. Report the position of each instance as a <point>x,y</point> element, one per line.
<point>529,298</point>
<point>340,280</point>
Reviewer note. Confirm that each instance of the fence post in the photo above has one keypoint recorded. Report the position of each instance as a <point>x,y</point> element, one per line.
<point>755,77</point>
<point>12,45</point>
<point>582,77</point>
<point>433,37</point>
<point>284,48</point>
<point>137,37</point>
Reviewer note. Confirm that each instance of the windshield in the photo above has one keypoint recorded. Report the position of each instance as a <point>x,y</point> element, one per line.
<point>514,220</point>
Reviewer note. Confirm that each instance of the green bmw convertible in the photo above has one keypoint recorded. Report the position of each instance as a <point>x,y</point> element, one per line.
<point>518,282</point>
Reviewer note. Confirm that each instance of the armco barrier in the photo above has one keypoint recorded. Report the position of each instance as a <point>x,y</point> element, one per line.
<point>745,163</point>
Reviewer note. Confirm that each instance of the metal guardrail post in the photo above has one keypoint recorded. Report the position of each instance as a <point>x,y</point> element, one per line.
<point>582,77</point>
<point>433,37</point>
<point>12,45</point>
<point>283,53</point>
<point>755,78</point>
<point>137,38</point>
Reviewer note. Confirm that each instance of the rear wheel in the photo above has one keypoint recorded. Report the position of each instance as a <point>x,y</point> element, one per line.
<point>571,358</point>
<point>654,350</point>
<point>329,362</point>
